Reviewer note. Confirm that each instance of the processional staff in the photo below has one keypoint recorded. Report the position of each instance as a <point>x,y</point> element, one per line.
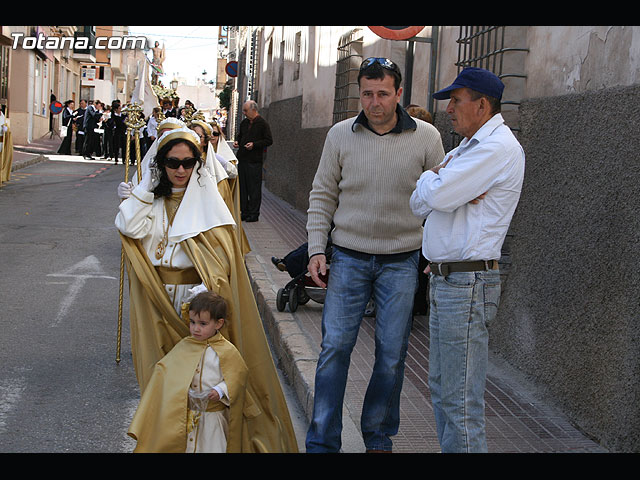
<point>134,121</point>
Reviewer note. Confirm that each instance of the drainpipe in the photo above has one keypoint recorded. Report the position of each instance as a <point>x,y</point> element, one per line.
<point>408,72</point>
<point>409,56</point>
<point>432,69</point>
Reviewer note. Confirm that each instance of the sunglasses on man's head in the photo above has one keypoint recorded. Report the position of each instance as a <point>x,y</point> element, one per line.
<point>383,62</point>
<point>174,163</point>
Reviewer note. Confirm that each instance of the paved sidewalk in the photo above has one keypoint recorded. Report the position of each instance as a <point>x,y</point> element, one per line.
<point>34,152</point>
<point>517,421</point>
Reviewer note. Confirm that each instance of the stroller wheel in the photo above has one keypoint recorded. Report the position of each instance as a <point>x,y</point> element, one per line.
<point>293,299</point>
<point>281,300</point>
<point>302,295</point>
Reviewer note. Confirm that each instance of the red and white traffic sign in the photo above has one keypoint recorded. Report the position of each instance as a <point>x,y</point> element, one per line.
<point>396,33</point>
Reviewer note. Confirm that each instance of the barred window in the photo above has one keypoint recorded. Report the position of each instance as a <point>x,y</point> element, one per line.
<point>346,96</point>
<point>485,47</point>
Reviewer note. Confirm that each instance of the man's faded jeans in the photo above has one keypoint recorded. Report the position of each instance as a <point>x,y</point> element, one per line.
<point>462,304</point>
<point>353,279</point>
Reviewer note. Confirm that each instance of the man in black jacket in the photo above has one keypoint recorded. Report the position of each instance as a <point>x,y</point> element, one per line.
<point>254,136</point>
<point>91,119</point>
<point>78,120</point>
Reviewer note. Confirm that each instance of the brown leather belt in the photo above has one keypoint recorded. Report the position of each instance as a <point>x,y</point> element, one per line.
<point>445,269</point>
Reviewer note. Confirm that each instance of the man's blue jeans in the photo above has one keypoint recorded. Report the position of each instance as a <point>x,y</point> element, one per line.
<point>462,305</point>
<point>352,280</point>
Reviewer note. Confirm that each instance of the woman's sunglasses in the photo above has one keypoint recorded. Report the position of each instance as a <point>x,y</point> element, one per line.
<point>174,163</point>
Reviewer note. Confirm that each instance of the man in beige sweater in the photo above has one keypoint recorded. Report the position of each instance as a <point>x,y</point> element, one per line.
<point>367,172</point>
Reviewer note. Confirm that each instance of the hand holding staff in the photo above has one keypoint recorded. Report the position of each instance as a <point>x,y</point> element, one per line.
<point>134,121</point>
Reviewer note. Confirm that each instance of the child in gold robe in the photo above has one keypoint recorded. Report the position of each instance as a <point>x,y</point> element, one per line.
<point>196,395</point>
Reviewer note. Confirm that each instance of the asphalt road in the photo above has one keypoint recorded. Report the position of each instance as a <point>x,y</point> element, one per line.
<point>61,389</point>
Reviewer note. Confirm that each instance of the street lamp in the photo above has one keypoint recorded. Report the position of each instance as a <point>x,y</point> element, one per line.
<point>174,84</point>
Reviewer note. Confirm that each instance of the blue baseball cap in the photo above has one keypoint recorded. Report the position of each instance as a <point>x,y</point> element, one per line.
<point>477,79</point>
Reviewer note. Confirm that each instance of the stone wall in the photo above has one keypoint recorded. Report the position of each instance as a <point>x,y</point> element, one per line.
<point>293,158</point>
<point>569,317</point>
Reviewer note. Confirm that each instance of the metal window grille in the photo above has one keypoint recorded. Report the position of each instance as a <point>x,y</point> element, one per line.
<point>485,47</point>
<point>253,61</point>
<point>346,97</point>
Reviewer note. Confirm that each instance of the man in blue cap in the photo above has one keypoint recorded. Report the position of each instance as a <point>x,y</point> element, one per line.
<point>468,202</point>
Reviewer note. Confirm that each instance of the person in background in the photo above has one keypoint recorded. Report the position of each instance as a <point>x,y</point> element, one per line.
<point>67,123</point>
<point>152,126</point>
<point>417,111</point>
<point>254,136</point>
<point>91,138</point>
<point>107,136</point>
<point>6,147</point>
<point>421,304</point>
<point>167,108</point>
<point>119,131</point>
<point>78,122</point>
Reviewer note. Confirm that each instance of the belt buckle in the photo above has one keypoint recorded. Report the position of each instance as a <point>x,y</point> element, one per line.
<point>444,272</point>
<point>488,265</point>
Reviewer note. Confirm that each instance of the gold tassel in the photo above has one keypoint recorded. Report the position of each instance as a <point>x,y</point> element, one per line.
<point>184,312</point>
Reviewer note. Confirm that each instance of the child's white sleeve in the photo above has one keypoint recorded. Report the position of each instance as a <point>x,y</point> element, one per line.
<point>222,390</point>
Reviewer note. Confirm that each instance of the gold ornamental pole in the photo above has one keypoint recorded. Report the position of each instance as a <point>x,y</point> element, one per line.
<point>133,123</point>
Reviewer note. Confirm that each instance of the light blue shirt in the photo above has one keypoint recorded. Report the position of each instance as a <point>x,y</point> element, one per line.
<point>491,161</point>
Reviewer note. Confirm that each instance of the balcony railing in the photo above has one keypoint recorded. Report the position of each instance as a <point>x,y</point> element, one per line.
<point>84,54</point>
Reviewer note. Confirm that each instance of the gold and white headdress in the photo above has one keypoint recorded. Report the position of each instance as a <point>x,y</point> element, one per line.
<point>183,133</point>
<point>169,123</point>
<point>202,207</point>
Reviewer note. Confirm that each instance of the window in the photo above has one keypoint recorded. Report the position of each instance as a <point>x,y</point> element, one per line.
<point>346,98</point>
<point>298,50</point>
<point>37,99</point>
<point>281,69</point>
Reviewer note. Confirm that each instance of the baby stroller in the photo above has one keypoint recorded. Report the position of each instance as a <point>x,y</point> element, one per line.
<point>301,288</point>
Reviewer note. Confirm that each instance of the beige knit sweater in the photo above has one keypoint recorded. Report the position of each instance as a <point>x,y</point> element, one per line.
<point>364,182</point>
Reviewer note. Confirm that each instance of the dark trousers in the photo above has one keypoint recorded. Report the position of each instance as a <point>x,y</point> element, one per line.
<point>107,144</point>
<point>118,146</point>
<point>250,177</point>
<point>79,142</point>
<point>91,143</point>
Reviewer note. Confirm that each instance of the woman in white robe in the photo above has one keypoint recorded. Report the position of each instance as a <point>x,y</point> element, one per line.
<point>161,215</point>
<point>173,244</point>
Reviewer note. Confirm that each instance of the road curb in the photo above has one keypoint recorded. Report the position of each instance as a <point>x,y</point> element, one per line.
<point>21,163</point>
<point>291,345</point>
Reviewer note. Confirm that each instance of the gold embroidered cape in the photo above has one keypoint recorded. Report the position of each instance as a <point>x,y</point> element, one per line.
<point>6,158</point>
<point>160,422</point>
<point>156,327</point>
